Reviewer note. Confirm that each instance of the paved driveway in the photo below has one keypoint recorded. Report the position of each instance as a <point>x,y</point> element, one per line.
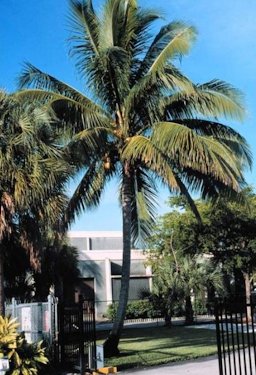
<point>206,366</point>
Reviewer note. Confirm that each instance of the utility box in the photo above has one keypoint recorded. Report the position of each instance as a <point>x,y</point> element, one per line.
<point>99,356</point>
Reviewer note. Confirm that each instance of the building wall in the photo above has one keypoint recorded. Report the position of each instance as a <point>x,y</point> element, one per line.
<point>100,260</point>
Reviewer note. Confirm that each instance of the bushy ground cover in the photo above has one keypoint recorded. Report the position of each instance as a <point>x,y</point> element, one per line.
<point>159,345</point>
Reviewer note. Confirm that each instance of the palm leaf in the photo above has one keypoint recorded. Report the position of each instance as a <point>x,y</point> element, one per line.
<point>142,35</point>
<point>85,27</point>
<point>88,193</point>
<point>151,86</point>
<point>140,149</point>
<point>143,205</point>
<point>184,191</point>
<point>208,186</point>
<point>224,134</point>
<point>173,40</point>
<point>202,153</point>
<point>213,99</point>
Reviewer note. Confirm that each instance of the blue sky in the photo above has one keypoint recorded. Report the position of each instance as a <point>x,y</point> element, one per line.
<point>37,31</point>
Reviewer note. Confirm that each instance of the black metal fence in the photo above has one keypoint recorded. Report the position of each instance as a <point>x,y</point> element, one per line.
<point>76,344</point>
<point>235,330</point>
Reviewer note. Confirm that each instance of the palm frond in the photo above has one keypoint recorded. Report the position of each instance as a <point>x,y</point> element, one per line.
<point>151,86</point>
<point>173,40</point>
<point>142,37</point>
<point>32,77</point>
<point>73,113</point>
<point>88,145</point>
<point>224,99</point>
<point>85,27</point>
<point>184,191</point>
<point>213,99</point>
<point>88,193</point>
<point>140,149</point>
<point>143,205</point>
<point>225,134</point>
<point>208,186</point>
<point>205,154</point>
<point>112,22</point>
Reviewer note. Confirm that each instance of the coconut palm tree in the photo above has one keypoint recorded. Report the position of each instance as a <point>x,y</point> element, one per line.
<point>140,119</point>
<point>32,179</point>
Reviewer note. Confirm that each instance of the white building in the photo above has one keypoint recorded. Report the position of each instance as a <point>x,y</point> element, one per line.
<point>100,261</point>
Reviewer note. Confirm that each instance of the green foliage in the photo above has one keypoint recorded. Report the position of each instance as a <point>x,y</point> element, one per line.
<point>199,306</point>
<point>135,310</point>
<point>179,267</point>
<point>139,120</point>
<point>8,334</point>
<point>226,236</point>
<point>25,358</point>
<point>33,174</point>
<point>59,267</point>
<point>145,119</point>
<point>229,232</point>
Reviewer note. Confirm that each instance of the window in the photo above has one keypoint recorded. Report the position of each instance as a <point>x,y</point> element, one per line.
<point>137,268</point>
<point>106,243</point>
<point>138,285</point>
<point>79,242</point>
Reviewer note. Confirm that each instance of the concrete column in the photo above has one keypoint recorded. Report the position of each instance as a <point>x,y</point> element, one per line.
<point>87,244</point>
<point>108,281</point>
<point>149,273</point>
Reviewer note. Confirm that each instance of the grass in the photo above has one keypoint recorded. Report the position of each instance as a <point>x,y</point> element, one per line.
<point>159,345</point>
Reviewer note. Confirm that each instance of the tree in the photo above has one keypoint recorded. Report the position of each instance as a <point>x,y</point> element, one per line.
<point>18,280</point>
<point>230,236</point>
<point>32,178</point>
<point>227,234</point>
<point>177,275</point>
<point>148,122</point>
<point>59,268</point>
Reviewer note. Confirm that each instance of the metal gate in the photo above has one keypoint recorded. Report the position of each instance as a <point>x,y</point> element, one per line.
<point>235,330</point>
<point>76,344</point>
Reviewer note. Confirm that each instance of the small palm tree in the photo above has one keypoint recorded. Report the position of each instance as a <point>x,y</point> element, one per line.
<point>31,178</point>
<point>178,276</point>
<point>197,273</point>
<point>142,121</point>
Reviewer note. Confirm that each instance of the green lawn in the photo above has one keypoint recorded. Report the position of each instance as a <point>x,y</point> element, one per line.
<point>159,345</point>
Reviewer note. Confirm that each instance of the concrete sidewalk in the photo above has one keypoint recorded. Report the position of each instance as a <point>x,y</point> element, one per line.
<point>201,366</point>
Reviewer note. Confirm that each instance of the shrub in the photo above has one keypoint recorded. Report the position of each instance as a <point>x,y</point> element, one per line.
<point>138,309</point>
<point>178,309</point>
<point>199,307</point>
<point>24,358</point>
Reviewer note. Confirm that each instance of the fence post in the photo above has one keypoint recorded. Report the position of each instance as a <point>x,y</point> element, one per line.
<point>14,307</point>
<point>217,322</point>
<point>50,318</point>
<point>81,334</point>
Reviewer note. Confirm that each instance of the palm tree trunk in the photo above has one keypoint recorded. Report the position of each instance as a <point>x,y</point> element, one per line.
<point>111,344</point>
<point>2,296</point>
